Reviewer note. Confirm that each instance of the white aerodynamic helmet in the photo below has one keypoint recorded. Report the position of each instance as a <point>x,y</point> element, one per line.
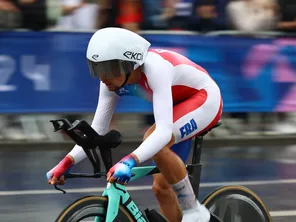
<point>113,52</point>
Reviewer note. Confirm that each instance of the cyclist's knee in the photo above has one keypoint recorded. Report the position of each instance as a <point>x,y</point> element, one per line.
<point>161,187</point>
<point>161,154</point>
<point>164,152</point>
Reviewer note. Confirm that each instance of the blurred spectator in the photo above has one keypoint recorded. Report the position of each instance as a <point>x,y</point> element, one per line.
<point>78,14</point>
<point>208,15</point>
<point>130,14</point>
<point>10,15</point>
<point>158,14</point>
<point>33,14</point>
<point>28,14</point>
<point>253,15</point>
<point>107,13</point>
<point>126,14</point>
<point>288,15</point>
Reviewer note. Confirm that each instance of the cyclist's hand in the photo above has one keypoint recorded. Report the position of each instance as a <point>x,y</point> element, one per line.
<point>55,181</point>
<point>55,175</point>
<point>122,171</point>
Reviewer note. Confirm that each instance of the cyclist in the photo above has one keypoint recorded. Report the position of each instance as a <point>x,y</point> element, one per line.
<point>186,101</point>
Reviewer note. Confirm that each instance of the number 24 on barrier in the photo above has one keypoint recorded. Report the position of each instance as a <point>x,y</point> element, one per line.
<point>38,74</point>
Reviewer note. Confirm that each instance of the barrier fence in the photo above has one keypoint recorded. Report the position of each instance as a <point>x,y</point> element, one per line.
<point>47,72</point>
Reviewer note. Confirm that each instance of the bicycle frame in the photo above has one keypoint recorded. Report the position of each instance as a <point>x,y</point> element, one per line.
<point>117,194</point>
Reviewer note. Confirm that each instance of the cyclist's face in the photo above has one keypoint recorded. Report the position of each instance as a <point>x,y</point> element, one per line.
<point>114,83</point>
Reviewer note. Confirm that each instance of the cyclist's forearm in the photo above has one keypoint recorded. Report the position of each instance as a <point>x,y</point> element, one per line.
<point>153,144</point>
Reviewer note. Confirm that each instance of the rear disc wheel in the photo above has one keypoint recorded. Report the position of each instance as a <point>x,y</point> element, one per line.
<point>237,204</point>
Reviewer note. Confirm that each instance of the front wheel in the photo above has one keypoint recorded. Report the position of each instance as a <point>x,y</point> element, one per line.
<point>91,209</point>
<point>237,204</point>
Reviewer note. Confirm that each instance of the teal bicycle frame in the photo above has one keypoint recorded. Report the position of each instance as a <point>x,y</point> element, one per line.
<point>117,194</point>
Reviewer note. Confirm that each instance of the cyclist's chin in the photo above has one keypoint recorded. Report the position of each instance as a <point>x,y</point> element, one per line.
<point>113,88</point>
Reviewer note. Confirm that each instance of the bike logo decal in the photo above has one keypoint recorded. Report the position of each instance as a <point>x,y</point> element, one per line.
<point>132,207</point>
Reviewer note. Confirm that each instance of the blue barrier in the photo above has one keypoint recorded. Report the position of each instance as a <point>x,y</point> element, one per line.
<point>42,72</point>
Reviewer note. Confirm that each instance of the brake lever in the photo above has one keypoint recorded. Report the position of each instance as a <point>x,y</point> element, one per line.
<point>59,189</point>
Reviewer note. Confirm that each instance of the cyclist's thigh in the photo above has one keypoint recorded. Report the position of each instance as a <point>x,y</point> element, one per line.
<point>182,149</point>
<point>197,114</point>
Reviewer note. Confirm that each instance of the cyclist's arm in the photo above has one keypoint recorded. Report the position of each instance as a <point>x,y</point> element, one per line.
<point>104,112</point>
<point>159,79</point>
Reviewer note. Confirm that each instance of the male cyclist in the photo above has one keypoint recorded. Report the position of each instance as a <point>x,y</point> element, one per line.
<point>186,101</point>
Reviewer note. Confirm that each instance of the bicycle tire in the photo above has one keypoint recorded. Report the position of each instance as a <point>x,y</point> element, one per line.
<point>246,195</point>
<point>92,204</point>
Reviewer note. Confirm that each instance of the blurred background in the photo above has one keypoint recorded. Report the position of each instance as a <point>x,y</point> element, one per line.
<point>248,47</point>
